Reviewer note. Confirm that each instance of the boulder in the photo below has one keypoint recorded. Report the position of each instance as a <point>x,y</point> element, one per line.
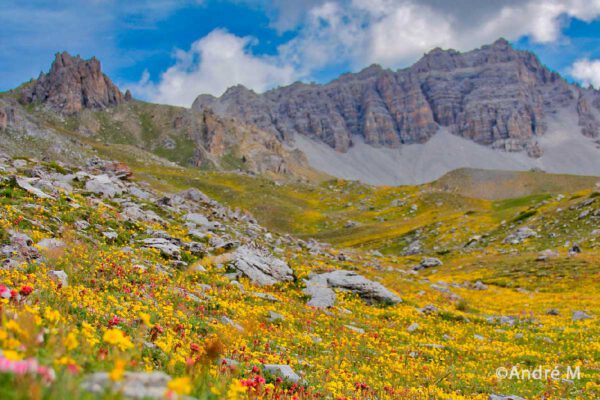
<point>285,371</point>
<point>581,315</point>
<point>321,295</point>
<point>21,246</point>
<point>25,184</point>
<point>133,212</point>
<point>428,262</point>
<point>261,267</point>
<point>194,194</point>
<point>520,235</point>
<point>320,288</point>
<point>547,254</point>
<point>198,220</point>
<point>60,277</point>
<point>104,186</point>
<point>166,248</point>
<point>134,385</point>
<point>50,244</point>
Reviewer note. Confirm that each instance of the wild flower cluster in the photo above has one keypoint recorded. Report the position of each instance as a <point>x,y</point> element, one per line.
<point>125,308</point>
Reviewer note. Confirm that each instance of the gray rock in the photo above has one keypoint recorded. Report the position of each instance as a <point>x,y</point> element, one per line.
<point>104,186</point>
<point>414,247</point>
<point>166,248</point>
<point>413,327</point>
<point>59,277</point>
<point>139,193</point>
<point>21,245</point>
<point>273,316</point>
<point>228,321</point>
<point>428,262</point>
<point>82,225</point>
<point>428,309</point>
<point>503,397</point>
<point>285,371</point>
<point>520,235</point>
<point>198,219</point>
<point>197,234</point>
<point>134,385</point>
<point>50,244</point>
<point>547,254</point>
<point>196,195</point>
<point>354,328</point>
<point>321,295</point>
<point>135,213</point>
<point>581,315</point>
<point>260,267</point>
<point>110,235</point>
<point>480,286</point>
<point>24,184</point>
<point>266,296</point>
<point>319,288</point>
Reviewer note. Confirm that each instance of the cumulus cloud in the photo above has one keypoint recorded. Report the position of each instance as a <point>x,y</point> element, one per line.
<point>397,32</point>
<point>211,65</point>
<point>333,34</point>
<point>586,71</point>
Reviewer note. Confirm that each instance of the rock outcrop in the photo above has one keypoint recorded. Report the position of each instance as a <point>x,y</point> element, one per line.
<point>260,267</point>
<point>320,289</point>
<point>72,85</point>
<point>495,96</point>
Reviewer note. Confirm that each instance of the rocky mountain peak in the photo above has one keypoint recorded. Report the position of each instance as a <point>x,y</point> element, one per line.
<point>495,95</point>
<point>73,84</point>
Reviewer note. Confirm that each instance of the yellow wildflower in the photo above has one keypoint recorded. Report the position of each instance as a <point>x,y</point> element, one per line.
<point>71,341</point>
<point>117,338</point>
<point>181,386</point>
<point>117,373</point>
<point>145,317</point>
<point>236,390</point>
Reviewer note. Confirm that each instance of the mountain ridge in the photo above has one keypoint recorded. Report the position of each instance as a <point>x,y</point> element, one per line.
<point>493,108</point>
<point>495,95</point>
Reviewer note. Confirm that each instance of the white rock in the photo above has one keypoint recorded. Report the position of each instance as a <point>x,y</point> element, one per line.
<point>50,244</point>
<point>59,277</point>
<point>260,267</point>
<point>285,371</point>
<point>25,185</point>
<point>104,185</point>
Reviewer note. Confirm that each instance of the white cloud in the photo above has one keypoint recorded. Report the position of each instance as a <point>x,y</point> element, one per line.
<point>211,65</point>
<point>356,33</point>
<point>586,71</point>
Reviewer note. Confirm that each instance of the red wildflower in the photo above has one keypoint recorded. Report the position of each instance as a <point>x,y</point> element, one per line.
<point>26,290</point>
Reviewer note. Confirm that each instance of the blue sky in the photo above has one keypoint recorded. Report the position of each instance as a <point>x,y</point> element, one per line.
<point>170,51</point>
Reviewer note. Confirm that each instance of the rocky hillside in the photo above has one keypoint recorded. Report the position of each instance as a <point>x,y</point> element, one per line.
<point>495,96</point>
<point>72,85</point>
<point>113,288</point>
<point>75,102</point>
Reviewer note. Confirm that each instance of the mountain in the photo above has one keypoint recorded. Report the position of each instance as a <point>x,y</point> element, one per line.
<point>72,85</point>
<point>75,99</point>
<point>491,108</point>
<point>147,253</point>
<point>496,97</point>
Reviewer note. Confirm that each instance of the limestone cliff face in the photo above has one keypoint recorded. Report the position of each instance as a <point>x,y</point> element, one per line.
<point>72,85</point>
<point>496,96</point>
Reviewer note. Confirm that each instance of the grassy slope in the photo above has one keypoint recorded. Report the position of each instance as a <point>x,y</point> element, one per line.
<point>495,185</point>
<point>452,354</point>
<point>386,355</point>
